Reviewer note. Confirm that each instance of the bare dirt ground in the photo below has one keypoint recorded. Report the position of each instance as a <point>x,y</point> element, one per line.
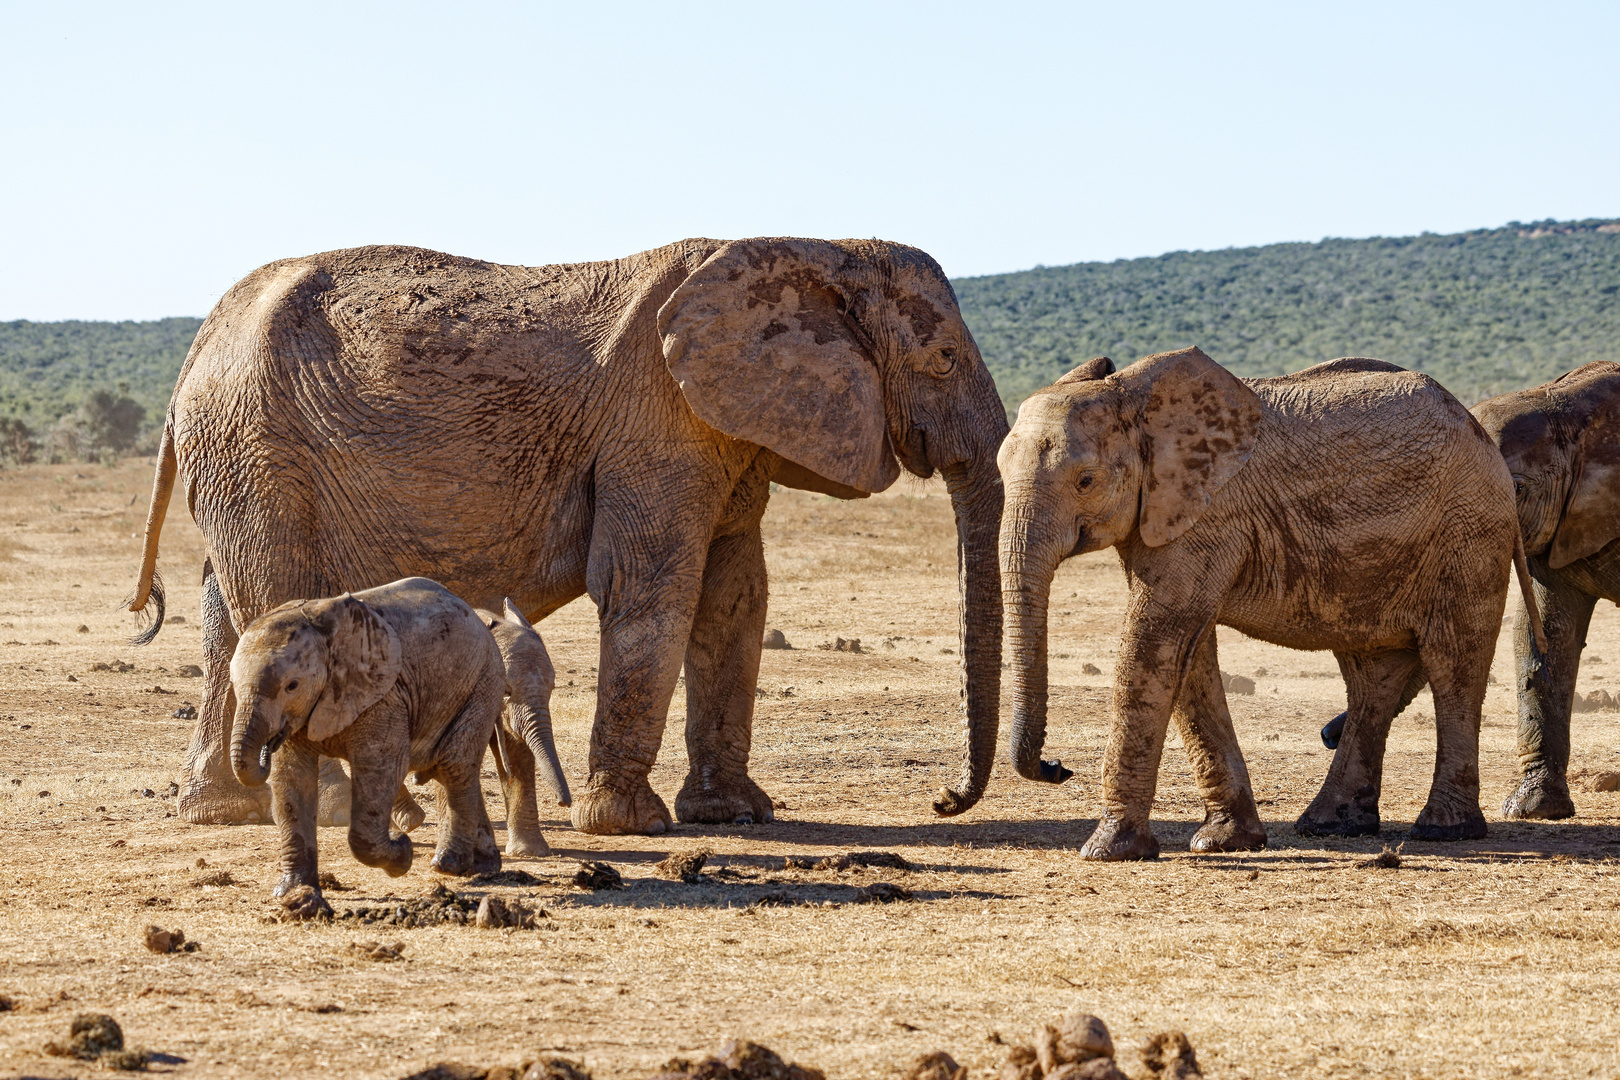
<point>1495,958</point>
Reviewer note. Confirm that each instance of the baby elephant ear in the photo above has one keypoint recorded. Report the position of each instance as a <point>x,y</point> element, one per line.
<point>1201,424</point>
<point>1591,518</point>
<point>363,663</point>
<point>765,348</point>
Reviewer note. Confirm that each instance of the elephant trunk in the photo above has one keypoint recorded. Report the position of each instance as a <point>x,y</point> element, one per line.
<point>1027,565</point>
<point>534,722</point>
<point>251,744</point>
<point>976,498</point>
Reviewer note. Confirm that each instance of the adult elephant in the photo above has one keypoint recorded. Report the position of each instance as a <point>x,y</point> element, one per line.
<point>612,428</point>
<point>1561,441</point>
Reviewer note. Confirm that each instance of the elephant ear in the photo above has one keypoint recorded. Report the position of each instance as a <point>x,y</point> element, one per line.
<point>363,662</point>
<point>1200,425</point>
<point>1591,518</point>
<point>765,349</point>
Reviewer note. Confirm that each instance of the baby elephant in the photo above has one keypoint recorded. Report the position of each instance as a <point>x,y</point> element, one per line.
<point>398,678</point>
<point>522,742</point>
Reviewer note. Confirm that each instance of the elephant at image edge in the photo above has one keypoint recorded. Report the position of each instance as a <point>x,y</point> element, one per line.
<point>611,428</point>
<point>403,677</point>
<point>1561,442</point>
<point>1353,506</point>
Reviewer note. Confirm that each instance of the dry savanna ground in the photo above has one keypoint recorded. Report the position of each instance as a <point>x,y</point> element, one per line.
<point>1485,959</point>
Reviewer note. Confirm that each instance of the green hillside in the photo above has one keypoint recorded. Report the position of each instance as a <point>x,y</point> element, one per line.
<point>1483,311</point>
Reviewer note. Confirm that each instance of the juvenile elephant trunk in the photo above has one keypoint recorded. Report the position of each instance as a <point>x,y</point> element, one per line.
<point>249,734</point>
<point>976,498</point>
<point>1027,569</point>
<point>535,724</point>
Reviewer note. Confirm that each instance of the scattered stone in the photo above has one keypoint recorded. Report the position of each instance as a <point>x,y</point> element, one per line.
<point>83,629</point>
<point>1090,669</point>
<point>881,892</point>
<point>97,1037</point>
<point>201,863</point>
<point>937,1065</point>
<point>303,904</point>
<point>683,866</point>
<point>495,914</point>
<point>849,645</point>
<point>1168,1055</point>
<point>73,678</point>
<point>1388,859</point>
<point>160,940</point>
<point>190,671</point>
<point>737,1059</point>
<point>186,712</point>
<point>597,876</point>
<point>1604,781</point>
<point>379,951</point>
<point>148,793</point>
<point>775,639</point>
<point>7,1003</point>
<point>174,789</point>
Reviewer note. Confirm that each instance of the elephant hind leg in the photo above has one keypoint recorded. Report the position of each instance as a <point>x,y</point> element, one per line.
<point>1457,677</point>
<point>1376,685</point>
<point>514,765</point>
<point>1231,819</point>
<point>722,670</point>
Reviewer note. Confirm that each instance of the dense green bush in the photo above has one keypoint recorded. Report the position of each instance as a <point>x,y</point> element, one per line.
<point>1483,312</point>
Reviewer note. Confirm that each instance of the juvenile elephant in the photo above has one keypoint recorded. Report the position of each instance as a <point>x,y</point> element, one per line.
<point>1561,442</point>
<point>522,745</point>
<point>610,428</point>
<point>1353,506</point>
<point>403,677</point>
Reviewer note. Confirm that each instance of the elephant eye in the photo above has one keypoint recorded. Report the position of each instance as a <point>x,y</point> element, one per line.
<point>945,361</point>
<point>292,686</point>
<point>1085,482</point>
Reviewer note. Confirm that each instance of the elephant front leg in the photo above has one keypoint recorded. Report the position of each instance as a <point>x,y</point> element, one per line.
<point>1158,647</point>
<point>379,775</point>
<point>210,794</point>
<point>514,765</point>
<point>294,794</point>
<point>1376,687</point>
<point>722,670</point>
<point>1546,688</point>
<point>1231,819</point>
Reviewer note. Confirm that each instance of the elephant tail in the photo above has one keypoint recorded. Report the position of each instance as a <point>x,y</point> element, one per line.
<point>1522,567</point>
<point>149,586</point>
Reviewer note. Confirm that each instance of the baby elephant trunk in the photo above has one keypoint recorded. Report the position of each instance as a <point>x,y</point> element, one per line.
<point>535,725</point>
<point>252,744</point>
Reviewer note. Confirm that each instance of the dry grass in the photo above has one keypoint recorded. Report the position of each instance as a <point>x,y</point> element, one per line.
<point>1489,959</point>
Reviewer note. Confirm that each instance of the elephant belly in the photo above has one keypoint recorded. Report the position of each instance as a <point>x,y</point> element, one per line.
<point>1341,624</point>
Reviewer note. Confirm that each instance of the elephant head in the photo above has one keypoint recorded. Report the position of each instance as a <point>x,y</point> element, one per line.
<point>1098,460</point>
<point>530,679</point>
<point>1561,441</point>
<point>849,359</point>
<point>310,665</point>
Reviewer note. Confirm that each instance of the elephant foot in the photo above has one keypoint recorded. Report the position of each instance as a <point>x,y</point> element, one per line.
<point>740,802</point>
<point>1115,840</point>
<point>223,801</point>
<point>303,903</point>
<point>1542,795</point>
<point>1444,825</point>
<point>1327,817</point>
<point>532,846</point>
<point>1222,832</point>
<point>290,881</point>
<point>407,814</point>
<point>602,810</point>
<point>460,862</point>
<point>336,793</point>
<point>393,857</point>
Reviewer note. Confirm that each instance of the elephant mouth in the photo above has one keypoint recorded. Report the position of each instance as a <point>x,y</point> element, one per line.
<point>271,747</point>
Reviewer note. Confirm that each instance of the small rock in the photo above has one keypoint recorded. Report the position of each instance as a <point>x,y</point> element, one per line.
<point>492,914</point>
<point>1237,684</point>
<point>775,639</point>
<point>937,1065</point>
<point>97,1037</point>
<point>849,645</point>
<point>1604,781</point>
<point>7,1003</point>
<point>597,876</point>
<point>148,793</point>
<point>1090,669</point>
<point>186,712</point>
<point>83,629</point>
<point>159,940</point>
<point>73,678</point>
<point>190,671</point>
<point>683,866</point>
<point>1077,1037</point>
<point>1169,1055</point>
<point>379,951</point>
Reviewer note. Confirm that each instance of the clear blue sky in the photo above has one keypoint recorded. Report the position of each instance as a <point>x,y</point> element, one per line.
<point>150,155</point>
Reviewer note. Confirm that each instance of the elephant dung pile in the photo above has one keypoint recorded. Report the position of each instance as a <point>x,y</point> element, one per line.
<point>887,859</point>
<point>683,866</point>
<point>442,905</point>
<point>1079,1047</point>
<point>548,1068</point>
<point>1596,701</point>
<point>160,940</point>
<point>738,1059</point>
<point>97,1037</point>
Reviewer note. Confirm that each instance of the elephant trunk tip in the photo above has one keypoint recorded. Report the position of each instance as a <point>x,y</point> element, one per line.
<point>1047,772</point>
<point>950,802</point>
